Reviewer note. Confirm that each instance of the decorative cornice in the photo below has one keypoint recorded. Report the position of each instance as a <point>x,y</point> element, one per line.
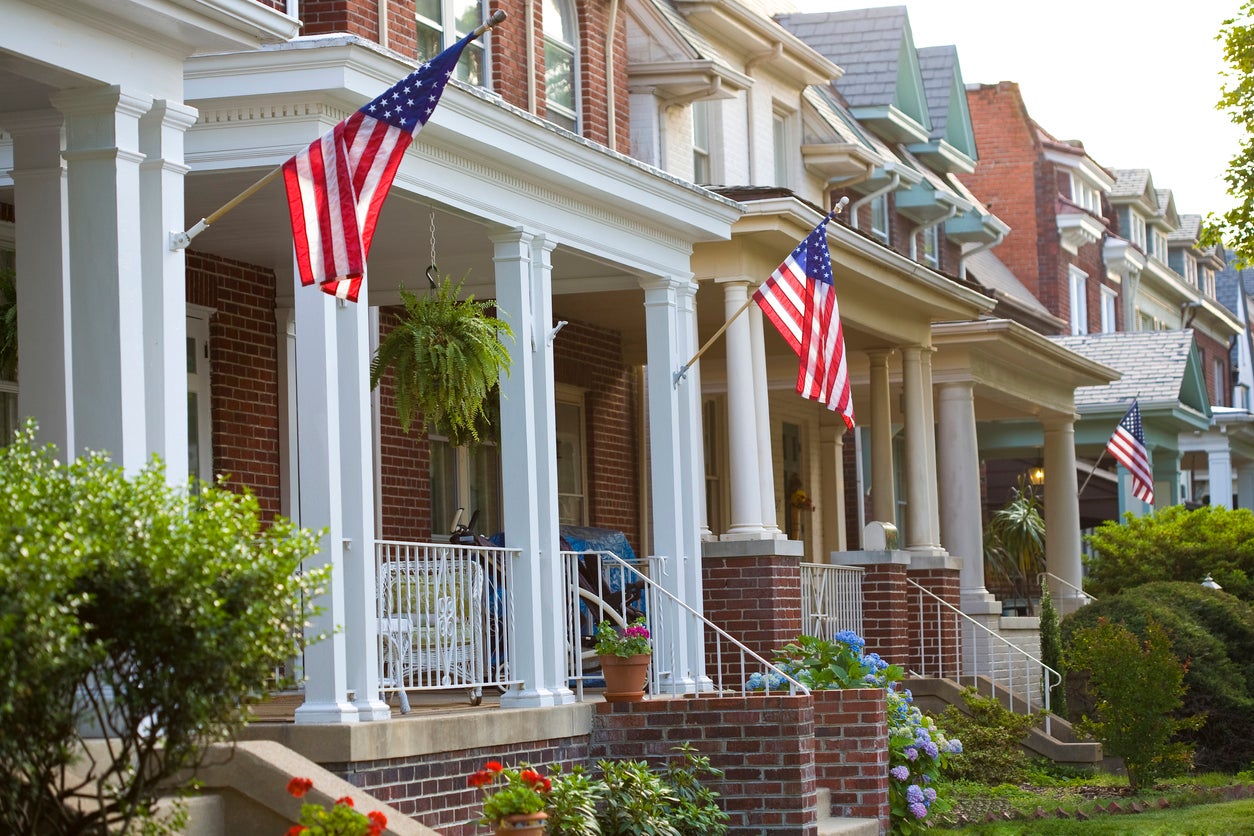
<point>1075,229</point>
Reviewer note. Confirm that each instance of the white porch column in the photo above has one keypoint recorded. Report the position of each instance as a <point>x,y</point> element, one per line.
<point>742,433</point>
<point>665,342</point>
<point>106,271</point>
<point>832,485</point>
<point>320,448</point>
<point>929,445</point>
<point>691,430</point>
<point>529,467</point>
<point>161,176</point>
<point>43,276</point>
<point>958,462</point>
<point>357,495</point>
<point>1245,485</point>
<point>919,495</point>
<point>762,418</point>
<point>1062,513</point>
<point>1219,469</point>
<point>883,496</point>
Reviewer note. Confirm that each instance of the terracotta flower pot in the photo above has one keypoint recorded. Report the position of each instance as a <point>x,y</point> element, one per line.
<point>523,824</point>
<point>625,677</point>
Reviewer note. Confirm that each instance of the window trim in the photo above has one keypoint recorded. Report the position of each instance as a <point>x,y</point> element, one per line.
<point>573,115</point>
<point>1110,307</point>
<point>448,24</point>
<point>1078,280</point>
<point>879,212</point>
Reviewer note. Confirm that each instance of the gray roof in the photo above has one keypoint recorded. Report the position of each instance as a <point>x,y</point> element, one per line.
<point>1188,230</point>
<point>990,271</point>
<point>1153,364</point>
<point>937,63</point>
<point>1228,280</point>
<point>1130,182</point>
<point>865,42</point>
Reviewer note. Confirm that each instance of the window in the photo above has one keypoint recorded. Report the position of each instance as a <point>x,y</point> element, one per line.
<point>701,142</point>
<point>1208,282</point>
<point>1110,303</point>
<point>441,23</point>
<point>879,218</point>
<point>1159,242</point>
<point>931,246</point>
<point>1190,270</point>
<point>1085,194</point>
<point>572,483</point>
<point>1219,380</point>
<point>1079,301</point>
<point>471,481</point>
<point>781,149</point>
<point>559,63</point>
<point>1135,228</point>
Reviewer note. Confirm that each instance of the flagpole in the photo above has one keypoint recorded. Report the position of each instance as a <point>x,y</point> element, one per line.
<point>1092,470</point>
<point>181,240</point>
<point>683,370</point>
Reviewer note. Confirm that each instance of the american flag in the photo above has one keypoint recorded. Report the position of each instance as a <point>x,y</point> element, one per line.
<point>1128,446</point>
<point>800,300</point>
<point>336,186</point>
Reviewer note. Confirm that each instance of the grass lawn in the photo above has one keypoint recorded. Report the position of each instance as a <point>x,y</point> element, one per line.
<point>1234,818</point>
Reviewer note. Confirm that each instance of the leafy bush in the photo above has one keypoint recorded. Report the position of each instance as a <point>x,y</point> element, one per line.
<point>1214,633</point>
<point>573,799</point>
<point>991,735</point>
<point>1175,544</point>
<point>821,665</point>
<point>1136,686</point>
<point>918,752</point>
<point>149,612</point>
<point>1051,654</point>
<point>666,802</point>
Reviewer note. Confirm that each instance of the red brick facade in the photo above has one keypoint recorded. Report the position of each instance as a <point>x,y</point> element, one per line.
<point>937,647</point>
<point>851,752</point>
<point>885,621</point>
<point>756,599</point>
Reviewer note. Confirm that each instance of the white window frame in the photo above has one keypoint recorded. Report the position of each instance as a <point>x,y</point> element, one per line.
<point>463,472</point>
<point>573,398</point>
<point>449,33</point>
<point>931,246</point>
<point>702,130</point>
<point>881,224</point>
<point>566,41</point>
<point>1078,281</point>
<point>1110,304</point>
<point>1219,375</point>
<point>783,147</point>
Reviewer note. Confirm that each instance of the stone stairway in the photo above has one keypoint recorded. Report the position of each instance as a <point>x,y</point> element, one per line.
<point>830,825</point>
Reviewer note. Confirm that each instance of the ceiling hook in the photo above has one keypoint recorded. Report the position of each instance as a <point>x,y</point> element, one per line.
<point>431,271</point>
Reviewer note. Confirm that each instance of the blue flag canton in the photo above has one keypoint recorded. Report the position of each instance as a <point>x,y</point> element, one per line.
<point>814,257</point>
<point>409,103</point>
<point>1132,423</point>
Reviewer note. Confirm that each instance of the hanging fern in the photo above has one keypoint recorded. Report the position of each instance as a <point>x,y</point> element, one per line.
<point>447,357</point>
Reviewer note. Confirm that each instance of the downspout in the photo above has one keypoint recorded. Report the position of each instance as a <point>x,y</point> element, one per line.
<point>962,261</point>
<point>529,12</point>
<point>867,198</point>
<point>914,234</point>
<point>610,109</point>
<point>293,9</point>
<point>383,22</point>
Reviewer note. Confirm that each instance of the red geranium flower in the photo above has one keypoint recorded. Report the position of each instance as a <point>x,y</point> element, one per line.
<point>346,801</point>
<point>530,776</point>
<point>480,779</point>
<point>493,766</point>
<point>296,830</point>
<point>297,787</point>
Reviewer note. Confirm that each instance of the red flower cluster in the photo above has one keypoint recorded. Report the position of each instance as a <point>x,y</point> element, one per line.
<point>374,822</point>
<point>297,787</point>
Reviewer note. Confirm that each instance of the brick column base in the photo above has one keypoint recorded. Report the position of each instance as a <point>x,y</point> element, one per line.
<point>851,751</point>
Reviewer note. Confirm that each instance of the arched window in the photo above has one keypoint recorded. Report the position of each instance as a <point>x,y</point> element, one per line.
<point>560,63</point>
<point>441,23</point>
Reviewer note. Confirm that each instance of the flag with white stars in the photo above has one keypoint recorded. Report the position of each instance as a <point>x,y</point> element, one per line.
<point>336,186</point>
<point>1128,446</point>
<point>799,298</point>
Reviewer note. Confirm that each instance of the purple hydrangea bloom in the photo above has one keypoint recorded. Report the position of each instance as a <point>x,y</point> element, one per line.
<point>929,795</point>
<point>911,753</point>
<point>930,749</point>
<point>955,747</point>
<point>918,810</point>
<point>914,794</point>
<point>901,773</point>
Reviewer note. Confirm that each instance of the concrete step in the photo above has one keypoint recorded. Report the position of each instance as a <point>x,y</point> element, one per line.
<point>830,825</point>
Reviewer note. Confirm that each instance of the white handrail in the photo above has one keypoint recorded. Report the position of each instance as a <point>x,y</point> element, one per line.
<point>1040,579</point>
<point>1049,677</point>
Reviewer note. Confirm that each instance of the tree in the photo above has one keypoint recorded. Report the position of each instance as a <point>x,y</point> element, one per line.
<point>131,611</point>
<point>1014,540</point>
<point>1235,228</point>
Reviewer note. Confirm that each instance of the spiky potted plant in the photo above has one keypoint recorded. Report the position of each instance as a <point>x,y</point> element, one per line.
<point>446,355</point>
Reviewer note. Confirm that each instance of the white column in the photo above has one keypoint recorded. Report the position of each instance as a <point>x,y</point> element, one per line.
<point>106,269</point>
<point>43,275</point>
<point>916,473</point>
<point>322,496</point>
<point>357,495</point>
<point>1062,512</point>
<point>762,418</point>
<point>529,467</point>
<point>1245,485</point>
<point>665,342</point>
<point>691,430</point>
<point>832,485</point>
<point>929,444</point>
<point>1219,469</point>
<point>164,283</point>
<point>958,462</point>
<point>883,497</point>
<point>742,433</point>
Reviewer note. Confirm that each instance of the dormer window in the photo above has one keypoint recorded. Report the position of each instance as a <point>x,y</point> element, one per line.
<point>1159,246</point>
<point>441,23</point>
<point>1085,194</point>
<point>879,218</point>
<point>559,63</point>
<point>931,246</point>
<point>1190,271</point>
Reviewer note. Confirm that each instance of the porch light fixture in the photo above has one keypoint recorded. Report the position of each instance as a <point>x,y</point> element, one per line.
<point>1036,475</point>
<point>1209,582</point>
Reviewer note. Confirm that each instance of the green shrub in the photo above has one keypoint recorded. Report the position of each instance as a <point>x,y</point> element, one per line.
<point>150,612</point>
<point>1136,686</point>
<point>991,736</point>
<point>1174,544</point>
<point>671,801</point>
<point>1214,633</point>
<point>1051,654</point>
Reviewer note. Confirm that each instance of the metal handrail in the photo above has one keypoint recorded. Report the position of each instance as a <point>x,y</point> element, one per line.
<point>1050,677</point>
<point>1040,579</point>
<point>831,599</point>
<point>662,663</point>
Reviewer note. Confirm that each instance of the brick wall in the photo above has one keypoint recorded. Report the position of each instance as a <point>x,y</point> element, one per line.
<point>851,751</point>
<point>764,745</point>
<point>939,640</point>
<point>755,599</point>
<point>884,617</point>
<point>405,458</point>
<point>432,789</point>
<point>244,379</point>
<point>355,17</point>
<point>1211,350</point>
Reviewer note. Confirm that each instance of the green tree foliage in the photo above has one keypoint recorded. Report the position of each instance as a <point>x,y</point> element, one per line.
<point>1014,541</point>
<point>1137,686</point>
<point>447,358</point>
<point>1214,633</point>
<point>1235,228</point>
<point>147,612</point>
<point>1175,544</point>
<point>991,735</point>
<point>1051,654</point>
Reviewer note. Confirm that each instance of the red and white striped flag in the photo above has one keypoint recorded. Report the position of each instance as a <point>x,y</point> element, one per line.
<point>336,186</point>
<point>1128,446</point>
<point>800,299</point>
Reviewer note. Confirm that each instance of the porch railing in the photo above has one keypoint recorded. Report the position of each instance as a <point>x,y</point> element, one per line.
<point>728,663</point>
<point>1080,593</point>
<point>444,617</point>
<point>831,599</point>
<point>952,645</point>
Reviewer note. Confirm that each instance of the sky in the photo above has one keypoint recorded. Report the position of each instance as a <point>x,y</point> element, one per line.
<point>1136,82</point>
